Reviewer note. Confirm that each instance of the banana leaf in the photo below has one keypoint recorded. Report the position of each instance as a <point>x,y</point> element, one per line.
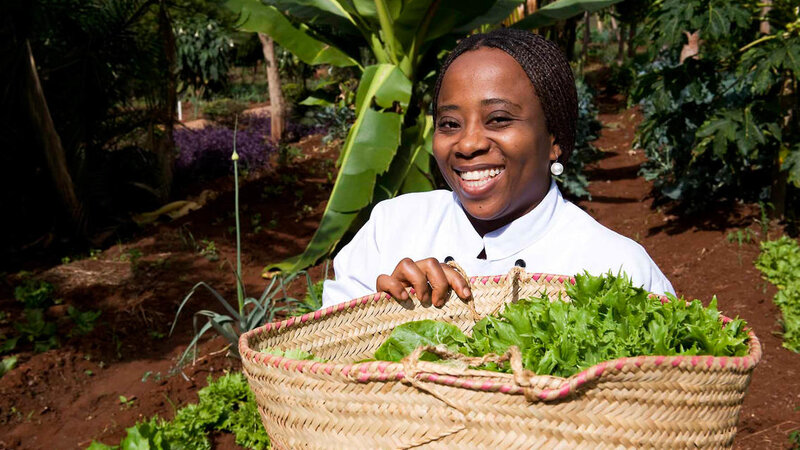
<point>561,10</point>
<point>381,101</point>
<point>257,17</point>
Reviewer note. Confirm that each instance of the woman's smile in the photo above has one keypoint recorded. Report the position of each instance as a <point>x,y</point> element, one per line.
<point>491,141</point>
<point>479,181</point>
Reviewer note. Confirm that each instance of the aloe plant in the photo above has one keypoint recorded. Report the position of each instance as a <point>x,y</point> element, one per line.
<point>387,151</point>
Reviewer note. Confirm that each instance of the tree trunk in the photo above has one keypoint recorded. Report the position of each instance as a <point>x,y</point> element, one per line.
<point>619,31</point>
<point>164,143</point>
<point>51,142</point>
<point>587,36</point>
<point>631,36</point>
<point>276,102</point>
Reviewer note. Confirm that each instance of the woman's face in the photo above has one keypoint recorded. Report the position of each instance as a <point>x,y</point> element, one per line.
<point>491,141</point>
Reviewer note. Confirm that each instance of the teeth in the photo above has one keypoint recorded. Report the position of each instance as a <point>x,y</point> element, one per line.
<point>483,175</point>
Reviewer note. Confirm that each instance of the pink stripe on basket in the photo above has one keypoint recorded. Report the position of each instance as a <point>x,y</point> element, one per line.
<point>328,368</point>
<point>302,364</point>
<point>346,370</point>
<point>676,361</point>
<point>561,280</point>
<point>290,322</point>
<point>723,361</point>
<point>580,379</point>
<point>317,314</point>
<point>695,361</point>
<point>314,367</point>
<point>548,278</point>
<point>564,391</point>
<point>544,394</point>
<point>709,361</point>
<point>484,280</point>
<point>600,368</point>
<point>467,384</point>
<point>382,366</point>
<point>620,364</point>
<point>487,385</point>
<point>659,360</point>
<point>364,377</point>
<point>496,278</point>
<point>536,276</point>
<point>433,377</point>
<point>573,281</point>
<point>506,388</point>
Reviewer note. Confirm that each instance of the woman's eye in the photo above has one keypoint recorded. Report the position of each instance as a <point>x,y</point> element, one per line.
<point>448,124</point>
<point>499,120</point>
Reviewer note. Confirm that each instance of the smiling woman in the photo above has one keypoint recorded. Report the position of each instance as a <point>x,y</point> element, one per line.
<point>505,111</point>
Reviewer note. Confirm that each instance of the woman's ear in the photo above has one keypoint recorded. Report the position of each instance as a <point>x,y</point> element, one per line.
<point>555,149</point>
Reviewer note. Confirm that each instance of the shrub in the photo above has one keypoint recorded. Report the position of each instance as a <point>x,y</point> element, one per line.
<point>34,293</point>
<point>779,262</point>
<point>206,153</point>
<point>573,180</point>
<point>224,111</point>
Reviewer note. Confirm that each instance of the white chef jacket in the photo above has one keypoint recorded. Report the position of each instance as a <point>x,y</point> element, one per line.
<point>556,237</point>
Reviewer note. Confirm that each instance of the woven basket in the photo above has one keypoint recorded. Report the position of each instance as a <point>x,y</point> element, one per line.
<point>653,401</point>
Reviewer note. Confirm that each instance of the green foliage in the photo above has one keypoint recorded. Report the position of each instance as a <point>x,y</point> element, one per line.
<point>607,318</point>
<point>34,293</point>
<point>587,130</point>
<point>83,321</point>
<point>203,53</point>
<point>226,404</point>
<point>723,125</point>
<point>36,330</point>
<point>779,262</point>
<point>7,364</point>
<point>388,146</point>
<point>224,111</point>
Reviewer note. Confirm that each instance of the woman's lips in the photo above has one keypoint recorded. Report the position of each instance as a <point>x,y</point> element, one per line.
<point>478,182</point>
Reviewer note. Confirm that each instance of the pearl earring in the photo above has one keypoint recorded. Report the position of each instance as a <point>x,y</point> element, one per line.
<point>556,168</point>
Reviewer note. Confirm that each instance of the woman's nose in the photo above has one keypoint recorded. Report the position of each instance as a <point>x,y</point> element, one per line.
<point>473,140</point>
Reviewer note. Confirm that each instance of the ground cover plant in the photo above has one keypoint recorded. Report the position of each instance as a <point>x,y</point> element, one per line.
<point>227,404</point>
<point>779,262</point>
<point>606,318</point>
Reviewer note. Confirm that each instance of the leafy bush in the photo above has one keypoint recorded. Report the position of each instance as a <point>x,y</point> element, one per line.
<point>203,54</point>
<point>779,261</point>
<point>34,293</point>
<point>83,321</point>
<point>205,153</point>
<point>224,111</point>
<point>7,364</point>
<point>723,125</point>
<point>587,130</point>
<point>607,318</point>
<point>226,404</point>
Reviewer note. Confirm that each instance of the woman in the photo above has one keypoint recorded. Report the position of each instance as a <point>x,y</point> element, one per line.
<point>505,110</point>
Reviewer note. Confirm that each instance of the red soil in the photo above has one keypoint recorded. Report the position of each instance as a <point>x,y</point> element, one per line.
<point>51,401</point>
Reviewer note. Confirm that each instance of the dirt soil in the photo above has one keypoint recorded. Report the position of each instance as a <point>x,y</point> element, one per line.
<point>67,397</point>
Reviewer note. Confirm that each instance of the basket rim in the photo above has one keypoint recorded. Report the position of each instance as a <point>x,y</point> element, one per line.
<point>383,371</point>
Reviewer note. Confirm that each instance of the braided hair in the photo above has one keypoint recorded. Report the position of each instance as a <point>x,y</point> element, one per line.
<point>548,70</point>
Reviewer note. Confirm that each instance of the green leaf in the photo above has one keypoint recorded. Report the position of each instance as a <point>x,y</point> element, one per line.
<point>7,364</point>
<point>257,17</point>
<point>367,153</point>
<point>561,10</point>
<point>314,101</point>
<point>791,164</point>
<point>411,335</point>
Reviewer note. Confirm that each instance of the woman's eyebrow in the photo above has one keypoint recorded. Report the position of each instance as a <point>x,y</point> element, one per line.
<point>445,108</point>
<point>499,101</point>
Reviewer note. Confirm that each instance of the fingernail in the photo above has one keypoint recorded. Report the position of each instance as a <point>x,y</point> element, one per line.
<point>467,292</point>
<point>404,296</point>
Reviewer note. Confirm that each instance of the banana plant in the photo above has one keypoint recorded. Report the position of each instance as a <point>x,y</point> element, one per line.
<point>387,150</point>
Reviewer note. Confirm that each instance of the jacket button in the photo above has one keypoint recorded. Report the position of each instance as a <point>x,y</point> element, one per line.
<point>520,263</point>
<point>447,259</point>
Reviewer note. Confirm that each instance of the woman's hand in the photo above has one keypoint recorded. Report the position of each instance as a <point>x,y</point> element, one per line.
<point>430,279</point>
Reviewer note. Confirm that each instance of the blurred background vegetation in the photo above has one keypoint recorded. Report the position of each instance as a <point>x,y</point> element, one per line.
<point>92,133</point>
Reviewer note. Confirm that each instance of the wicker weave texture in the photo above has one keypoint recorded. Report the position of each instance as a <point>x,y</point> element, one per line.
<point>631,402</point>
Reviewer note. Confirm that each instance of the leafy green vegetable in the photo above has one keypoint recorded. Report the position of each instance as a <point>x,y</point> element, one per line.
<point>226,404</point>
<point>779,261</point>
<point>405,338</point>
<point>7,364</point>
<point>607,318</point>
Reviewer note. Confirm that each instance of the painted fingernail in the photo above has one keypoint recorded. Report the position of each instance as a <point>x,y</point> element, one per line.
<point>467,292</point>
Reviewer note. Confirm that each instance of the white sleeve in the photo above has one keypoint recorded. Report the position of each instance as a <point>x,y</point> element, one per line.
<point>659,284</point>
<point>356,266</point>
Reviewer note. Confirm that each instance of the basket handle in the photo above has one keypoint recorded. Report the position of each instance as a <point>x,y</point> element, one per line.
<point>515,274</point>
<point>412,367</point>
